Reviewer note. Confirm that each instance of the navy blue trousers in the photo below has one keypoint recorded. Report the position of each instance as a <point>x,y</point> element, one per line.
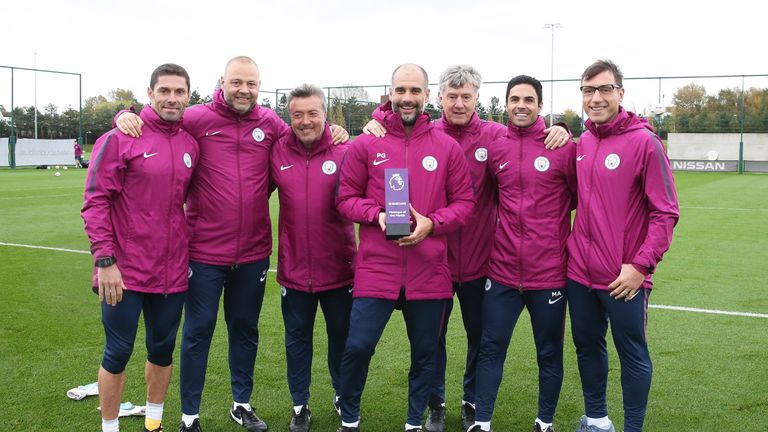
<point>299,311</point>
<point>470,295</point>
<point>502,306</point>
<point>424,324</point>
<point>243,288</point>
<point>591,311</point>
<point>162,315</point>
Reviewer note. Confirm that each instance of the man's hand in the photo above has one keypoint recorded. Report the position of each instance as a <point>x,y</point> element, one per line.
<point>110,284</point>
<point>374,128</point>
<point>626,285</point>
<point>130,124</point>
<point>424,226</point>
<point>339,134</point>
<point>557,137</point>
<point>383,221</point>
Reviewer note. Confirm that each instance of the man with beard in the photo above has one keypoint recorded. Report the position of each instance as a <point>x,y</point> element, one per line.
<point>469,247</point>
<point>536,193</point>
<point>411,273</point>
<point>141,260</point>
<point>231,235</point>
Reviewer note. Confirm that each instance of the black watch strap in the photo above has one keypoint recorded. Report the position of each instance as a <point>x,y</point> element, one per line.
<point>105,261</point>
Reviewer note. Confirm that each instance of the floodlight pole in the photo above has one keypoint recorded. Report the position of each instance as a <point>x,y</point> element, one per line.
<point>552,26</point>
<point>35,80</point>
<point>741,130</point>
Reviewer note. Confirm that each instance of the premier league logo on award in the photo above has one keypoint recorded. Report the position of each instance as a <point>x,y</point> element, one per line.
<point>398,212</point>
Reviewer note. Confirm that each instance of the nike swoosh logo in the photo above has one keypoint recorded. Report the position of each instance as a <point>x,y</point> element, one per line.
<point>501,166</point>
<point>379,162</point>
<point>580,157</point>
<point>212,133</point>
<point>553,301</point>
<point>149,155</point>
<point>283,168</point>
<point>263,278</point>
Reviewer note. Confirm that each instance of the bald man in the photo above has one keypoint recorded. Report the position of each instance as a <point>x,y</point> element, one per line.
<point>411,273</point>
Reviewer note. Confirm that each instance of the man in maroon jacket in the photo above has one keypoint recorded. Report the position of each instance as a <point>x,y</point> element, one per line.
<point>316,245</point>
<point>411,273</point>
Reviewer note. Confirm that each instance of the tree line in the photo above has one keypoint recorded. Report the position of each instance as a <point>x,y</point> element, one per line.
<point>692,110</point>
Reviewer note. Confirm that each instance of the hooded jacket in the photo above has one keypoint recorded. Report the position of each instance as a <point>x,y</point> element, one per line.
<point>627,202</point>
<point>537,191</point>
<point>469,247</point>
<point>317,246</point>
<point>228,208</point>
<point>440,189</point>
<point>134,204</point>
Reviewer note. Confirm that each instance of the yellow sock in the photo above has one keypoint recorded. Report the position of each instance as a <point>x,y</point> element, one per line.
<point>151,424</point>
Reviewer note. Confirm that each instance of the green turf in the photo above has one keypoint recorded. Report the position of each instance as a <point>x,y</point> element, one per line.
<point>709,370</point>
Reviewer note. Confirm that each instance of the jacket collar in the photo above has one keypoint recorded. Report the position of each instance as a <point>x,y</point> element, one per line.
<point>221,106</point>
<point>319,146</point>
<point>154,122</point>
<point>472,127</point>
<point>624,121</point>
<point>535,129</point>
<point>394,124</point>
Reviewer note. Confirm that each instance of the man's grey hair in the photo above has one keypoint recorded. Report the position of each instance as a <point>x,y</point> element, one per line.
<point>458,75</point>
<point>304,91</point>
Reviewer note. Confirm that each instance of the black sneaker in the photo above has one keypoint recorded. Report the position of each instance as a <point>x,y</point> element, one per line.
<point>347,429</point>
<point>194,428</point>
<point>414,430</point>
<point>467,416</point>
<point>435,419</point>
<point>337,405</point>
<point>537,428</point>
<point>159,429</point>
<point>248,420</point>
<point>300,421</point>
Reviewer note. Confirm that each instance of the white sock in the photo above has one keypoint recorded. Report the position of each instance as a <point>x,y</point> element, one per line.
<point>542,425</point>
<point>188,419</point>
<point>110,425</point>
<point>410,426</point>
<point>351,424</point>
<point>602,422</point>
<point>154,411</point>
<point>297,408</point>
<point>486,426</point>
<point>246,405</point>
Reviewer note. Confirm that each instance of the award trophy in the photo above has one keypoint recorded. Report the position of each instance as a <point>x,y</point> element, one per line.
<point>398,213</point>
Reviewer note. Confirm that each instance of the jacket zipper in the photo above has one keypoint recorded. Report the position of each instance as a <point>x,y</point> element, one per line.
<point>306,220</point>
<point>239,195</point>
<point>520,213</point>
<point>170,215</point>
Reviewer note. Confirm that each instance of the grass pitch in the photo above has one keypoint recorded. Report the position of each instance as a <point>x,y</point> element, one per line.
<point>709,370</point>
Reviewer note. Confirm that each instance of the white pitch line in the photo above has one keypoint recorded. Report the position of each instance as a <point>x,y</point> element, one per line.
<point>724,208</point>
<point>709,311</point>
<point>676,308</point>
<point>59,249</point>
<point>45,247</point>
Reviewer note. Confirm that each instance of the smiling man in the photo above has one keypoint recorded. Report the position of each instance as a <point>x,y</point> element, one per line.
<point>316,245</point>
<point>624,221</point>
<point>536,193</point>
<point>469,247</point>
<point>411,273</point>
<point>141,260</point>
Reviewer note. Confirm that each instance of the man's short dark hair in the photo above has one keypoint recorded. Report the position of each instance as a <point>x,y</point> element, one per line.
<point>602,66</point>
<point>168,69</point>
<point>525,79</point>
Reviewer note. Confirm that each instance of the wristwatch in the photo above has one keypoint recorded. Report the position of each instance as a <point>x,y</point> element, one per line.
<point>105,261</point>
